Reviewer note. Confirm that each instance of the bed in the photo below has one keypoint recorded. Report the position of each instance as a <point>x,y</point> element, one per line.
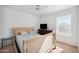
<point>31,42</point>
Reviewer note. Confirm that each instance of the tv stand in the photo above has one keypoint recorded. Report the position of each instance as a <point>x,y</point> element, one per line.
<point>44,31</point>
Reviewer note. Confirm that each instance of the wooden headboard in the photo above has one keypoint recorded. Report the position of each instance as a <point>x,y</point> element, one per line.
<point>19,30</point>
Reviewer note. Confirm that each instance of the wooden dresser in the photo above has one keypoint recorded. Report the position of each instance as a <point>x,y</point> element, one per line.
<point>44,31</point>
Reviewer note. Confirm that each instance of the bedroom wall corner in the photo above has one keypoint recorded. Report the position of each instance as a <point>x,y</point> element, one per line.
<point>13,18</point>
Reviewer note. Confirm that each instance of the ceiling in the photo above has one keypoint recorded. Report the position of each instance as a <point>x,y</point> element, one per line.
<point>45,9</point>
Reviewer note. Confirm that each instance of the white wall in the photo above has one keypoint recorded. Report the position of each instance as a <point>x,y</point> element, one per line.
<point>50,19</point>
<point>12,18</point>
<point>78,28</point>
<point>1,22</point>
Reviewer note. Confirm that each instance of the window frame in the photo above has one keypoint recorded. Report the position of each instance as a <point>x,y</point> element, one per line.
<point>57,29</point>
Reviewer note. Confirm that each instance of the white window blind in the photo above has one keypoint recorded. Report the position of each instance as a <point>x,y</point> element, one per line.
<point>64,25</point>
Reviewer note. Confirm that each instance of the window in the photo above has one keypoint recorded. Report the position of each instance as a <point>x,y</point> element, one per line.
<point>64,25</point>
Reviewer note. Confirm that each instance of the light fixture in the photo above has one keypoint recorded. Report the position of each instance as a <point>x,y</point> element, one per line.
<point>39,7</point>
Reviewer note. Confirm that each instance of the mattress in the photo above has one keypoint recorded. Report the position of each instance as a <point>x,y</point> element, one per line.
<point>25,37</point>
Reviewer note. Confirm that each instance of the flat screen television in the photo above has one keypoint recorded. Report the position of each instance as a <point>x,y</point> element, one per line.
<point>43,26</point>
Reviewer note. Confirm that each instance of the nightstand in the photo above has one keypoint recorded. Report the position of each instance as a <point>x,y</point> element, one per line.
<point>6,41</point>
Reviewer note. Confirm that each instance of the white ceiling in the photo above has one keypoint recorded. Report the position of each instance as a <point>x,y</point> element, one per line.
<point>46,10</point>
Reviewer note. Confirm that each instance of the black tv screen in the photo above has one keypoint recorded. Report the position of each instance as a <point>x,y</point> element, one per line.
<point>43,26</point>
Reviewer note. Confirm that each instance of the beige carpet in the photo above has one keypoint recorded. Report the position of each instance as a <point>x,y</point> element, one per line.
<point>57,50</point>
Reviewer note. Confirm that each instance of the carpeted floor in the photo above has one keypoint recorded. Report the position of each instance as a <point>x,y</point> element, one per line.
<point>7,49</point>
<point>67,48</point>
<point>61,48</point>
<point>57,50</point>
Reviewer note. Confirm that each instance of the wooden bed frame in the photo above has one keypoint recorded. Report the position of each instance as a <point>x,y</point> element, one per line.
<point>18,30</point>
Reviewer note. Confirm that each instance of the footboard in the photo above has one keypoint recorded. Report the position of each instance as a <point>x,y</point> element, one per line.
<point>40,44</point>
<point>33,45</point>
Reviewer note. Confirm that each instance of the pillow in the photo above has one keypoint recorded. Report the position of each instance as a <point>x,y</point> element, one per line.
<point>19,33</point>
<point>31,32</point>
<point>24,33</point>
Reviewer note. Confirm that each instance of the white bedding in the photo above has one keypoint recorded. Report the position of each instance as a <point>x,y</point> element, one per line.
<point>46,45</point>
<point>28,36</point>
<point>36,43</point>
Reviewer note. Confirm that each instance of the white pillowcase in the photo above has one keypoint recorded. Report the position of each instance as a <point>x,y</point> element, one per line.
<point>31,32</point>
<point>24,33</point>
